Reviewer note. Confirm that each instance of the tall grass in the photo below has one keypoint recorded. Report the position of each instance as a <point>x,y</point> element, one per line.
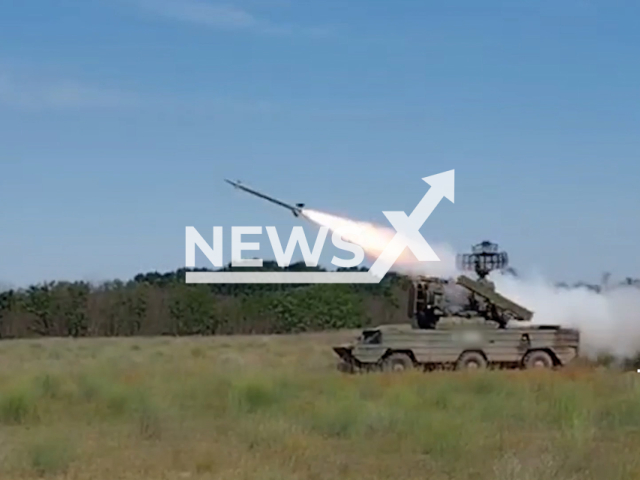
<point>275,408</point>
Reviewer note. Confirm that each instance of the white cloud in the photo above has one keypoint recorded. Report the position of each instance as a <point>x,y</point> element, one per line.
<point>30,92</point>
<point>223,16</point>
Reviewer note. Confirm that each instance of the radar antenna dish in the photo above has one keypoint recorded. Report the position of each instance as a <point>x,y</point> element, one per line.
<point>484,259</point>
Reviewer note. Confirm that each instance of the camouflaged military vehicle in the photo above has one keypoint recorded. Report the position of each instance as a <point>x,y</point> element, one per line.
<point>486,330</point>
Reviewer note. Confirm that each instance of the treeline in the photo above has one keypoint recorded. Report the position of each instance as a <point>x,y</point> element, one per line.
<point>162,304</point>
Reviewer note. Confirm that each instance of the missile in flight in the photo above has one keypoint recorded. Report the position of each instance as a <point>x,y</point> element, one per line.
<point>295,209</point>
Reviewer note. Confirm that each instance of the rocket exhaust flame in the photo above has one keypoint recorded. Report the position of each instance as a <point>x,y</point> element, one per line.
<point>374,238</point>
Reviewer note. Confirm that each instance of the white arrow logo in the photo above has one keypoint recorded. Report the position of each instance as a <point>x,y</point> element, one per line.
<point>408,228</point>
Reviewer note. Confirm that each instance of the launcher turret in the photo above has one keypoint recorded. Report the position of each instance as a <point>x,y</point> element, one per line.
<point>433,299</point>
<point>505,308</point>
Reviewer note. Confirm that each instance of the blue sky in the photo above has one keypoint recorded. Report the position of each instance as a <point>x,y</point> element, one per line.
<point>120,118</point>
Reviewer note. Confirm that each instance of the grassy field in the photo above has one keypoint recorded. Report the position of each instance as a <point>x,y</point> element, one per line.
<point>274,408</point>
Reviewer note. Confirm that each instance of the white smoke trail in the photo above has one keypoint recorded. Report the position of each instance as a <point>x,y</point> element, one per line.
<point>609,322</point>
<point>374,238</point>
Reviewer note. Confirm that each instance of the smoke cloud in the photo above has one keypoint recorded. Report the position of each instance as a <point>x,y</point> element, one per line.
<point>609,322</point>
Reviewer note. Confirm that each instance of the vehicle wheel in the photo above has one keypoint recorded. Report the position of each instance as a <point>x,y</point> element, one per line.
<point>397,362</point>
<point>345,367</point>
<point>471,361</point>
<point>538,359</point>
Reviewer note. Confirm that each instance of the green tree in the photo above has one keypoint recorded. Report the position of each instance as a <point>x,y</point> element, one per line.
<point>193,310</point>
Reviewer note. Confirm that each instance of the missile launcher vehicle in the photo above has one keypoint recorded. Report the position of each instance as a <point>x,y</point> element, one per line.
<point>489,331</point>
